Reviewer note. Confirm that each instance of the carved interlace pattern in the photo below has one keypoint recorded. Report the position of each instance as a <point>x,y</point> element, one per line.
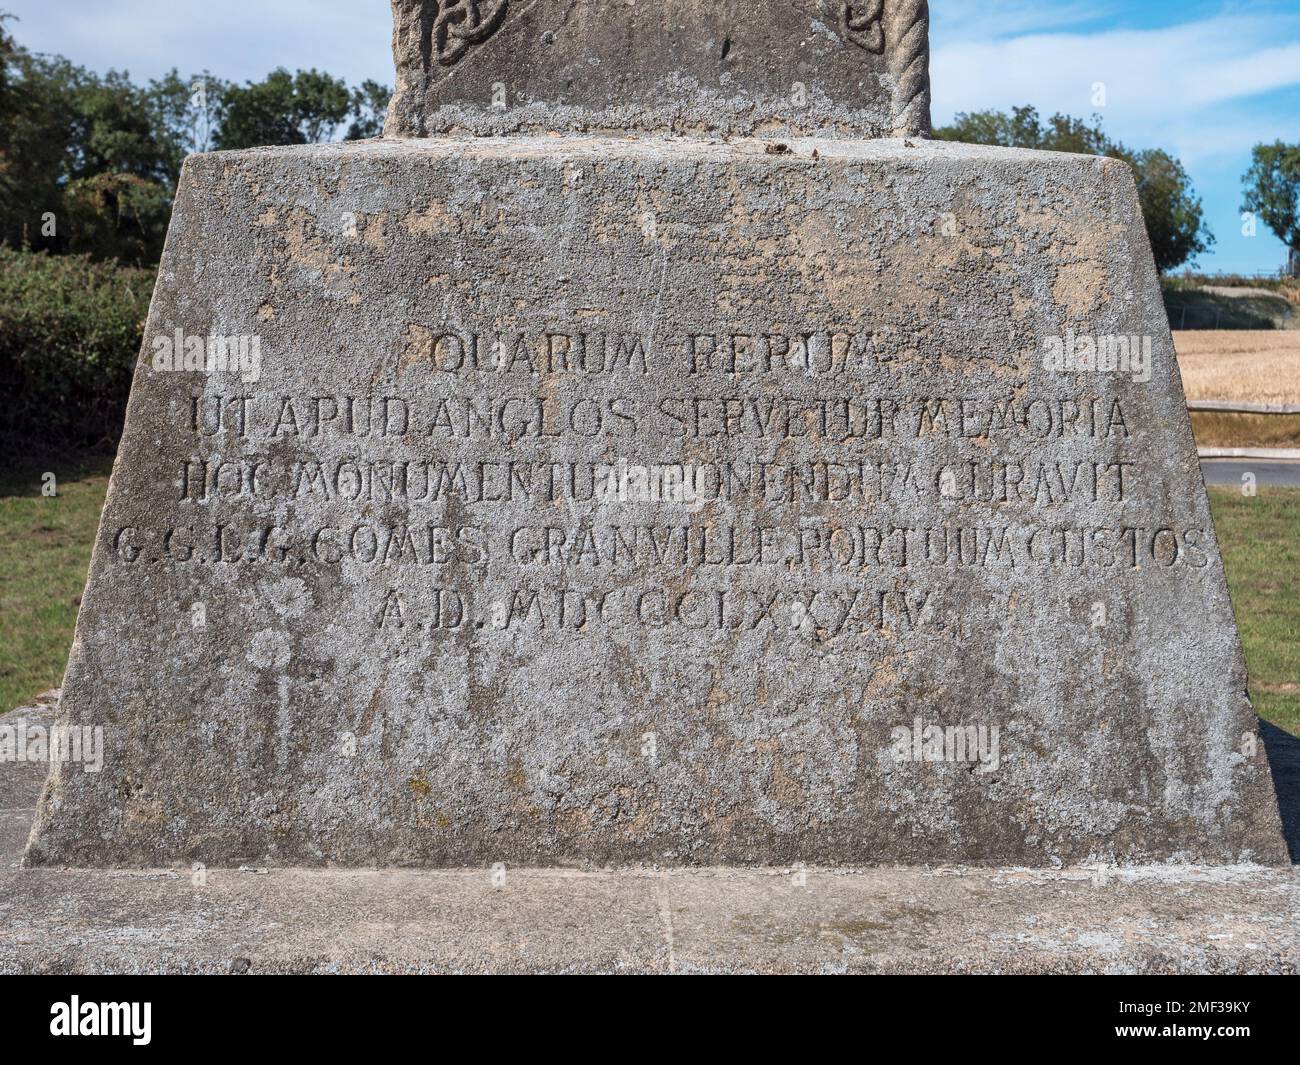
<point>457,25</point>
<point>901,30</point>
<point>861,24</point>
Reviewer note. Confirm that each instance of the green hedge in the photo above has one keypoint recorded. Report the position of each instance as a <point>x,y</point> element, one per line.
<point>70,332</point>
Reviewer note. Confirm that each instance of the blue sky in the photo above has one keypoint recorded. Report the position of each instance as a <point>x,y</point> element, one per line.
<point>1204,79</point>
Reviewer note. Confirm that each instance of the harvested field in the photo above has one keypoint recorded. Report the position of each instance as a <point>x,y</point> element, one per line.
<point>1255,366</point>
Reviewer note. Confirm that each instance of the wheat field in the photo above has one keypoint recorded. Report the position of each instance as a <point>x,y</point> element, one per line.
<point>1255,366</point>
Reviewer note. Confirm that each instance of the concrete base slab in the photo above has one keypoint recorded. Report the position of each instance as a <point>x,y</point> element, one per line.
<point>1146,919</point>
<point>1238,919</point>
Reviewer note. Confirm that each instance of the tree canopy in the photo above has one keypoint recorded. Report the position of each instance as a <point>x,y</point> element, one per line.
<point>1272,187</point>
<point>89,162</point>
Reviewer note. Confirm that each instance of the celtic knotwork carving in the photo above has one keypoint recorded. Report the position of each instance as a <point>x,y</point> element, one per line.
<point>452,27</point>
<point>861,24</point>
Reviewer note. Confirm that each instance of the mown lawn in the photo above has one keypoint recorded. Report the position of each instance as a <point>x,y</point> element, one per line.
<point>45,548</point>
<point>1260,537</point>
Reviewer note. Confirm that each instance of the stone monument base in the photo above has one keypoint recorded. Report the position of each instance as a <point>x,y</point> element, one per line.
<point>1140,919</point>
<point>382,595</point>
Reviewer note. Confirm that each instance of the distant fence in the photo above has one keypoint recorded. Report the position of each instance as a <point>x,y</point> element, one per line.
<point>1199,317</point>
<point>1271,454</point>
<point>1282,273</point>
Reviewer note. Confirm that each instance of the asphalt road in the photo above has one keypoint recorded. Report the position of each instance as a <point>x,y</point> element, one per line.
<point>1268,472</point>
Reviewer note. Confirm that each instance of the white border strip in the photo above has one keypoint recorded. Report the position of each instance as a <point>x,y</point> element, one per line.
<point>1232,406</point>
<point>1282,453</point>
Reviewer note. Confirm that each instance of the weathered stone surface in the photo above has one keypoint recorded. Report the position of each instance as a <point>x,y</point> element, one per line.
<point>1150,919</point>
<point>303,653</point>
<point>823,67</point>
<point>1162,919</point>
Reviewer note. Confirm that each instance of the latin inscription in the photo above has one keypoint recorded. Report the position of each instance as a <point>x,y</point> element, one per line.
<point>511,481</point>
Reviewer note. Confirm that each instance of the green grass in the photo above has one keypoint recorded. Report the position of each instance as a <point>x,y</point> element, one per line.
<point>1260,538</point>
<point>45,544</point>
<point>45,548</point>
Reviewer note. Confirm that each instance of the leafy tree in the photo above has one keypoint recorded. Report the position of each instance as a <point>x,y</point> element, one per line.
<point>1024,129</point>
<point>8,108</point>
<point>37,132</point>
<point>119,169</point>
<point>7,94</point>
<point>302,108</point>
<point>1273,190</point>
<point>116,130</point>
<point>89,163</point>
<point>189,110</point>
<point>115,215</point>
<point>369,105</point>
<point>1174,219</point>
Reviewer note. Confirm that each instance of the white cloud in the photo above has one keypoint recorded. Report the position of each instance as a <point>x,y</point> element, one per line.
<point>1206,90</point>
<point>1194,89</point>
<point>1158,82</point>
<point>235,39</point>
<point>986,19</point>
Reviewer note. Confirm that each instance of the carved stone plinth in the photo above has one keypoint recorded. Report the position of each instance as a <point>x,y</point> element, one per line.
<point>617,500</point>
<point>792,67</point>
